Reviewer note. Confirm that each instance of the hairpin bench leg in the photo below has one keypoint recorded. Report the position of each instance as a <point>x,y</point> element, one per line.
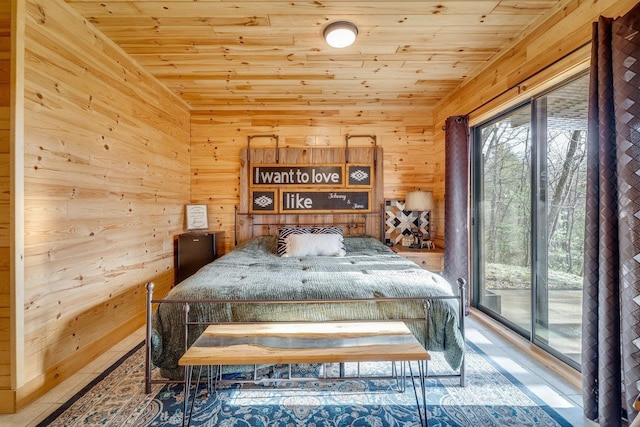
<point>424,413</point>
<point>188,370</point>
<point>188,376</point>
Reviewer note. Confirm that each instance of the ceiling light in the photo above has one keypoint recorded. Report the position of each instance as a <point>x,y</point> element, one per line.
<point>340,34</point>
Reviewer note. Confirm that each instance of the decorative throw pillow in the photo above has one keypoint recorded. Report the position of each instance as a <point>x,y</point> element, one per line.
<point>301,245</point>
<point>332,229</point>
<point>284,232</point>
<point>327,230</point>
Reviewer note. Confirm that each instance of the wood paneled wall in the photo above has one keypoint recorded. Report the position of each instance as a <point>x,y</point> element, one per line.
<point>559,45</point>
<point>106,178</point>
<point>410,160</point>
<point>5,127</point>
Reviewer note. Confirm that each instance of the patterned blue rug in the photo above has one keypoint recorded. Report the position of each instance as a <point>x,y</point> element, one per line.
<point>491,397</point>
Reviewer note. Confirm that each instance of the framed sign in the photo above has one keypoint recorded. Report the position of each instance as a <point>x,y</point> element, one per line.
<point>264,201</point>
<point>324,201</point>
<point>359,176</point>
<point>197,217</point>
<point>298,175</point>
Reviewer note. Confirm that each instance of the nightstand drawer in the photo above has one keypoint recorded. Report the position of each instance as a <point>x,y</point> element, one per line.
<point>428,259</point>
<point>431,261</point>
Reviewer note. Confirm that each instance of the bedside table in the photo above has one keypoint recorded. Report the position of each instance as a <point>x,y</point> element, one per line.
<point>194,249</point>
<point>428,259</point>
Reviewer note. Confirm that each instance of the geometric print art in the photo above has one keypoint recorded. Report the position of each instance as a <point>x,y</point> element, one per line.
<point>359,175</point>
<point>263,201</point>
<point>399,223</point>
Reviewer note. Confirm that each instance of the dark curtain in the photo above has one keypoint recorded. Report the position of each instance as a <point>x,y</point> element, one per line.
<point>610,335</point>
<point>456,196</point>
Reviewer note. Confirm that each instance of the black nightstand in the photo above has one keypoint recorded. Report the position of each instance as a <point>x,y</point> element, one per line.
<point>196,249</point>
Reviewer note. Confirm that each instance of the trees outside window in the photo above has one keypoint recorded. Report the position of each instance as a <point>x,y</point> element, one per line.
<point>529,204</point>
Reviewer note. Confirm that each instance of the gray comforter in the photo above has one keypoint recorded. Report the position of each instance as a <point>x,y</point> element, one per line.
<point>253,271</point>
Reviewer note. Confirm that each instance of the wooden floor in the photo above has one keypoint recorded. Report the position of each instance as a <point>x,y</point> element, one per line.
<point>541,376</point>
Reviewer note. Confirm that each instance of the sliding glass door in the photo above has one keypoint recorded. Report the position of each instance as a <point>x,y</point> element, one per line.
<point>561,117</point>
<point>529,201</point>
<point>505,215</point>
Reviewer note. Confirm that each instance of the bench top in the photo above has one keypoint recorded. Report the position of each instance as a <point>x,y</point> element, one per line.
<point>303,342</point>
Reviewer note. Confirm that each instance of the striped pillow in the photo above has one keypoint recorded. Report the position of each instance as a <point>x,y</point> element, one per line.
<point>327,230</point>
<point>286,231</point>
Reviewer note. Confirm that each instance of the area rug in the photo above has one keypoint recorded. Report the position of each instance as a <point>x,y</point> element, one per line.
<point>491,397</point>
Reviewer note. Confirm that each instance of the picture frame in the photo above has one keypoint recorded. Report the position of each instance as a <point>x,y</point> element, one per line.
<point>196,216</point>
<point>263,201</point>
<point>400,223</point>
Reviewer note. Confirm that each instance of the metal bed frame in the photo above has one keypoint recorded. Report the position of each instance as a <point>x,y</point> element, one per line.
<point>359,223</point>
<point>425,300</point>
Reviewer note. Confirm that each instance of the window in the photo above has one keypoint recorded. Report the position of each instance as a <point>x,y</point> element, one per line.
<point>529,185</point>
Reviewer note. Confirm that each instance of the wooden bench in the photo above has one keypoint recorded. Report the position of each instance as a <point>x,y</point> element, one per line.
<point>306,342</point>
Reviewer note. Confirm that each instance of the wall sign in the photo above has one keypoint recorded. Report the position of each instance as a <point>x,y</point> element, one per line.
<point>196,216</point>
<point>264,201</point>
<point>359,176</point>
<point>324,201</point>
<point>321,188</point>
<point>309,175</point>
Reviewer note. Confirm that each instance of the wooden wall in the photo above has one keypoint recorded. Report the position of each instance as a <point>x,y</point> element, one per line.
<point>5,119</point>
<point>410,157</point>
<point>106,178</point>
<point>557,48</point>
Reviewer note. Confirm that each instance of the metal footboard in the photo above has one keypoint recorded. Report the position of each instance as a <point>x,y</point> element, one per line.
<point>461,297</point>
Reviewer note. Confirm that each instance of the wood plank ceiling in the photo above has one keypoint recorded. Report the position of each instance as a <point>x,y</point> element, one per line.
<point>271,54</point>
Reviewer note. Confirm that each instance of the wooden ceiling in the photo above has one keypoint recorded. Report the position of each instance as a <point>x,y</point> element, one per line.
<point>271,54</point>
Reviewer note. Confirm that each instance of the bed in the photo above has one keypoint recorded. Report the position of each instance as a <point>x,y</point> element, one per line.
<point>254,283</point>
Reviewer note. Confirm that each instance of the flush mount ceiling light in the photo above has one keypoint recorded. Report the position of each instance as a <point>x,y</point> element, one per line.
<point>340,34</point>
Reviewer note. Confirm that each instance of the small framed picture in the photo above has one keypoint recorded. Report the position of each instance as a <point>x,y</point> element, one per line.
<point>197,217</point>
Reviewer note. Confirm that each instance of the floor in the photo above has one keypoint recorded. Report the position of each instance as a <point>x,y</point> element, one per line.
<point>538,373</point>
<point>552,381</point>
<point>45,405</point>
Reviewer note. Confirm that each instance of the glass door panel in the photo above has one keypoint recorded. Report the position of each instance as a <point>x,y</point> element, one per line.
<point>529,215</point>
<point>561,118</point>
<point>504,213</point>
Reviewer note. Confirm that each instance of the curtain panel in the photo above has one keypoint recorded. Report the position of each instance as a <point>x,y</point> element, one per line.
<point>611,292</point>
<point>456,200</point>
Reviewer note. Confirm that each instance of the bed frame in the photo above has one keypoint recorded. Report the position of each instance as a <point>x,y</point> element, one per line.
<point>248,223</point>
<point>186,324</point>
<point>266,224</point>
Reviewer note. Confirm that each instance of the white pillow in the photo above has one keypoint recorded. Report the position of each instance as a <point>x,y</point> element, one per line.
<point>315,245</point>
<point>286,231</point>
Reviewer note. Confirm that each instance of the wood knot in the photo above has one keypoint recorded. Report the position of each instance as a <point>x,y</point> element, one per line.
<point>43,16</point>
